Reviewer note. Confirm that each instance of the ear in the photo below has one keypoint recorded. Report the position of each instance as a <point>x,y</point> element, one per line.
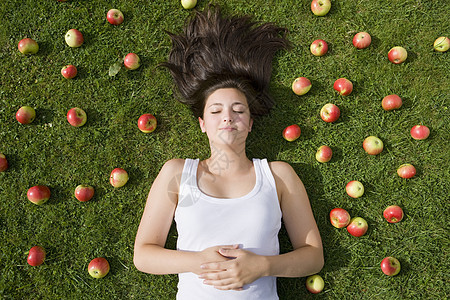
<point>250,125</point>
<point>202,124</point>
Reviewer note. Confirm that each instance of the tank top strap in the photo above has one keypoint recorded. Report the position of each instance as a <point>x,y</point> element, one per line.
<point>189,169</point>
<point>188,179</point>
<point>267,176</point>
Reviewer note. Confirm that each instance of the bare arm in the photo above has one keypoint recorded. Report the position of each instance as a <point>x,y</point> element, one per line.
<point>150,256</point>
<point>307,256</point>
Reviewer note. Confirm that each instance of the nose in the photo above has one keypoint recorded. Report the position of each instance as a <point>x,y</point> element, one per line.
<point>227,118</point>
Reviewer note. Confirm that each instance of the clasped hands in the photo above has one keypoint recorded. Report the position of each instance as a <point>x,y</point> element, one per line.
<point>230,268</point>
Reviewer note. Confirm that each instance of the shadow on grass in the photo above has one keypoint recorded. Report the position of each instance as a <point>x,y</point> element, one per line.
<point>412,56</point>
<point>57,195</point>
<point>94,118</point>
<point>317,87</point>
<point>375,43</point>
<point>43,116</point>
<point>337,155</point>
<point>135,176</point>
<point>44,48</point>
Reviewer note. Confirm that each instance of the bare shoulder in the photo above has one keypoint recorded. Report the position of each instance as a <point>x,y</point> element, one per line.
<point>282,169</point>
<point>286,180</point>
<point>173,166</point>
<point>170,175</point>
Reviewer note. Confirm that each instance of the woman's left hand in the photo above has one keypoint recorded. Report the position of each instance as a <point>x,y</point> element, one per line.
<point>245,268</point>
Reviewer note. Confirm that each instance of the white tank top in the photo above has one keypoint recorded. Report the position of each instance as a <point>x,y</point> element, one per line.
<point>252,221</point>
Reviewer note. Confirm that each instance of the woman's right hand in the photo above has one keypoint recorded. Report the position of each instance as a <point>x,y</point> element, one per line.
<point>212,254</point>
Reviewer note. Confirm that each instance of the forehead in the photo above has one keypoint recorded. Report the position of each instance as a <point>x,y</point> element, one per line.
<point>226,96</point>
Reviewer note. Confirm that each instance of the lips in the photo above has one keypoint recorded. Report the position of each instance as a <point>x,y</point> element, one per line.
<point>228,128</point>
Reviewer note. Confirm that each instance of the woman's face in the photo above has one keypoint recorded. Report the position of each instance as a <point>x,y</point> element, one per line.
<point>226,117</point>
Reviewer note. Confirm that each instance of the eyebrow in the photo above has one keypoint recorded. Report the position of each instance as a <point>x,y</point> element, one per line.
<point>233,104</point>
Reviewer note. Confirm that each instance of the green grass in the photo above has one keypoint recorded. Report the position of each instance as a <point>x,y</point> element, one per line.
<point>51,152</point>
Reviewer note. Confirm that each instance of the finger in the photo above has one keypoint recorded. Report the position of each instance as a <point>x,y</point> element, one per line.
<point>223,284</point>
<point>233,286</point>
<point>213,275</point>
<point>214,266</point>
<point>235,246</point>
<point>230,252</point>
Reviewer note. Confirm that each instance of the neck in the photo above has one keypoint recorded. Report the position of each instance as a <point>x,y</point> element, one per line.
<point>225,159</point>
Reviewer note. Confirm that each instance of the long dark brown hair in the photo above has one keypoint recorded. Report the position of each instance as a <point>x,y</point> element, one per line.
<point>224,52</point>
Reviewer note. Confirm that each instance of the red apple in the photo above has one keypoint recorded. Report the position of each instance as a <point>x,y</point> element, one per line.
<point>324,154</point>
<point>36,256</point>
<point>291,133</point>
<point>393,214</point>
<point>38,194</point>
<point>76,117</point>
<point>330,113</point>
<point>390,266</point>
<point>3,162</point>
<point>420,132</point>
<point>25,115</point>
<point>131,61</point>
<point>188,4</point>
<point>357,227</point>
<point>397,55</point>
<point>114,16</point>
<point>354,189</point>
<point>320,7</point>
<point>441,44</point>
<point>319,48</point>
<point>391,102</point>
<point>373,145</point>
<point>28,46</point>
<point>147,123</point>
<point>74,38</point>
<point>118,177</point>
<point>69,71</point>
<point>84,192</point>
<point>98,267</point>
<point>343,86</point>
<point>362,40</point>
<point>315,284</point>
<point>301,85</point>
<point>406,171</point>
<point>339,217</point>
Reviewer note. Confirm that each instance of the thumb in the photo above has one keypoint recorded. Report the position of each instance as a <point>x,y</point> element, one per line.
<point>235,246</point>
<point>229,252</point>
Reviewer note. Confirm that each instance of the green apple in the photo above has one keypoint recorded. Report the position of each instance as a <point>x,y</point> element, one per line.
<point>315,284</point>
<point>118,177</point>
<point>373,145</point>
<point>28,46</point>
<point>441,44</point>
<point>354,189</point>
<point>320,7</point>
<point>74,38</point>
<point>188,4</point>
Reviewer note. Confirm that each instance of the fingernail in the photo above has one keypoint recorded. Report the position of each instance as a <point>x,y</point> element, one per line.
<point>202,266</point>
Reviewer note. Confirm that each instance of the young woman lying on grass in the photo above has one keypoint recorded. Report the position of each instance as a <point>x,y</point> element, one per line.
<point>227,208</point>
